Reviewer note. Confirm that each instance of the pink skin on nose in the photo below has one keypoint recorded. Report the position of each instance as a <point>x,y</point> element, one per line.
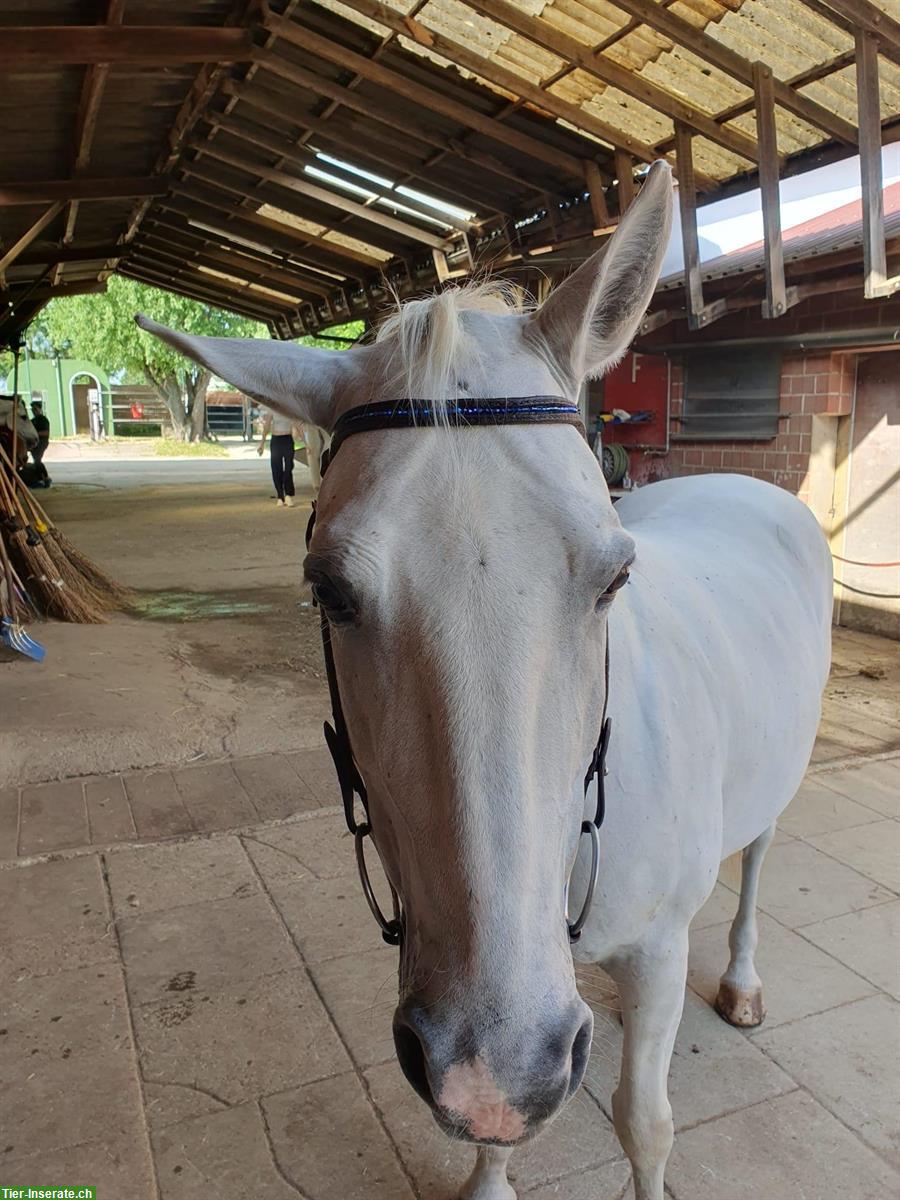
<point>471,1093</point>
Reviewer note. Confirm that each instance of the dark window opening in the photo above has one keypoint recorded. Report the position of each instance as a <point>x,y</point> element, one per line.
<point>732,394</point>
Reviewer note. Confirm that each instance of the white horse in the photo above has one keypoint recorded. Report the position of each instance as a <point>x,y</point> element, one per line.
<point>472,578</point>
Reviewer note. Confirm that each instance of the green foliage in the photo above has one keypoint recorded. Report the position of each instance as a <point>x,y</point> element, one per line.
<point>351,330</point>
<point>101,328</point>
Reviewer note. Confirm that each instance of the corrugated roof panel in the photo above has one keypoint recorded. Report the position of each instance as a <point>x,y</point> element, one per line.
<point>340,239</point>
<point>712,159</point>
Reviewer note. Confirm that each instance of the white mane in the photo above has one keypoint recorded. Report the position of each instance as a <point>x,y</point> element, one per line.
<point>431,339</point>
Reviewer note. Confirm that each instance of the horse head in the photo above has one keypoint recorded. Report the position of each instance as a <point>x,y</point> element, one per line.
<point>468,575</point>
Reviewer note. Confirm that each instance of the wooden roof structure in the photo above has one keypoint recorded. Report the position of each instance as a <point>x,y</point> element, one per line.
<point>297,160</point>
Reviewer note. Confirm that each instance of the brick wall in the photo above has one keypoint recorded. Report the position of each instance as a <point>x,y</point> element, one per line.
<point>813,383</point>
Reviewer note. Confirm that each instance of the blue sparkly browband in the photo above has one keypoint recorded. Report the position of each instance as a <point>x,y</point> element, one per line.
<point>412,414</point>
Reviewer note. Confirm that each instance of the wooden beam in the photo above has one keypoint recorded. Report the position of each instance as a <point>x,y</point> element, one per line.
<point>699,314</point>
<point>323,196</point>
<point>271,235</point>
<point>668,23</point>
<point>207,288</point>
<point>252,270</point>
<point>419,94</point>
<point>45,292</point>
<point>377,149</point>
<point>232,302</point>
<point>542,33</point>
<point>393,120</point>
<point>41,46</point>
<point>624,181</point>
<point>171,259</point>
<point>9,256</point>
<point>292,152</point>
<point>83,252</point>
<point>869,107</point>
<point>866,17</point>
<point>594,183</point>
<point>15,192</point>
<point>767,136</point>
<point>489,69</point>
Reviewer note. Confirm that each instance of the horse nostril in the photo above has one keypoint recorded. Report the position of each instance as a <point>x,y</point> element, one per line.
<point>411,1056</point>
<point>581,1051</point>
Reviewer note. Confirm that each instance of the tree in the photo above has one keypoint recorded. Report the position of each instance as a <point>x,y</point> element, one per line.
<point>101,328</point>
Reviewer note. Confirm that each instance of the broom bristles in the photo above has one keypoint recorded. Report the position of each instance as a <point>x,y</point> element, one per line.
<point>44,582</point>
<point>109,591</point>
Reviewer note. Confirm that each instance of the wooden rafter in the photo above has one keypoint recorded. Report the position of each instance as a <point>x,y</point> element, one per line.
<point>27,47</point>
<point>624,180</point>
<point>323,195</point>
<point>699,313</point>
<point>459,54</point>
<point>9,256</point>
<point>208,288</point>
<point>416,93</point>
<point>289,152</point>
<point>212,210</point>
<point>45,191</point>
<point>542,33</point>
<point>234,301</point>
<point>391,118</point>
<point>383,153</point>
<point>50,255</point>
<point>849,17</point>
<point>731,63</point>
<point>172,259</point>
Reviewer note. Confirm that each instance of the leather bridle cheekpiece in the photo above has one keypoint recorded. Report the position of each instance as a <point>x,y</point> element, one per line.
<point>461,414</point>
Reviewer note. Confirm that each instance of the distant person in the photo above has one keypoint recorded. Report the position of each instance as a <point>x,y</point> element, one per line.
<point>281,451</point>
<point>42,429</point>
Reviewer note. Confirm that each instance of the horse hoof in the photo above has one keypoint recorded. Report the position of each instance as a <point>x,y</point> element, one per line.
<point>742,1007</point>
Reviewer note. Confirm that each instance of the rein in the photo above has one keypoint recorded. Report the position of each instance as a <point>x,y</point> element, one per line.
<point>411,414</point>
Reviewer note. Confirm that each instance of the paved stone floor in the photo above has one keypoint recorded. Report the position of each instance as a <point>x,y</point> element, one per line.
<point>207,1014</point>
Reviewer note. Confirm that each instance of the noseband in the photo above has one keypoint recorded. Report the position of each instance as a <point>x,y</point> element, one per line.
<point>459,414</point>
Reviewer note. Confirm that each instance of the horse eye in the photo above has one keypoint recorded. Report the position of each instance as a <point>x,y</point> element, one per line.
<point>619,582</point>
<point>339,608</point>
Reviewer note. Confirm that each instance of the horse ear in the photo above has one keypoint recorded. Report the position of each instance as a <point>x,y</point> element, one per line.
<point>587,323</point>
<point>297,381</point>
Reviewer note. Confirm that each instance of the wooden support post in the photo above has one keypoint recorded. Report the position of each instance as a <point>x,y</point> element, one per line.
<point>766,134</point>
<point>625,180</point>
<point>874,251</point>
<point>594,181</point>
<point>699,314</point>
<point>441,268</point>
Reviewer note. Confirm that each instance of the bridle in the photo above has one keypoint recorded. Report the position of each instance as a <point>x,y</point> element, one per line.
<point>411,414</point>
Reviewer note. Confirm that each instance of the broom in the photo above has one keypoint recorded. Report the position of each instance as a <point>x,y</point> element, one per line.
<point>12,633</point>
<point>56,596</point>
<point>100,588</point>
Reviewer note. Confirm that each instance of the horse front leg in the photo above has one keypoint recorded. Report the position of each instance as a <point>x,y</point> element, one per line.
<point>488,1180</point>
<point>651,989</point>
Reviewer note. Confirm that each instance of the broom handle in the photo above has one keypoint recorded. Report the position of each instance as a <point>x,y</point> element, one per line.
<point>37,511</point>
<point>10,589</point>
<point>9,496</point>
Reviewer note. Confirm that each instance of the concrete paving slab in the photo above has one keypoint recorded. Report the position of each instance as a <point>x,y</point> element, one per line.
<point>800,885</point>
<point>867,942</point>
<point>9,822</point>
<point>875,784</point>
<point>54,917</point>
<point>609,1182</point>
<point>118,1168</point>
<point>782,1150</point>
<point>847,1059</point>
<point>215,797</point>
<point>226,1154</point>
<point>873,850</point>
<point>816,808</point>
<point>66,1059</point>
<point>721,906</point>
<point>798,978</point>
<point>109,813</point>
<point>581,1137</point>
<point>360,993</point>
<point>316,769</point>
<point>328,1143</point>
<point>275,788</point>
<point>157,805</point>
<point>156,878</point>
<point>328,918</point>
<point>200,947</point>
<point>53,817</point>
<point>320,847</point>
<point>240,1040</point>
